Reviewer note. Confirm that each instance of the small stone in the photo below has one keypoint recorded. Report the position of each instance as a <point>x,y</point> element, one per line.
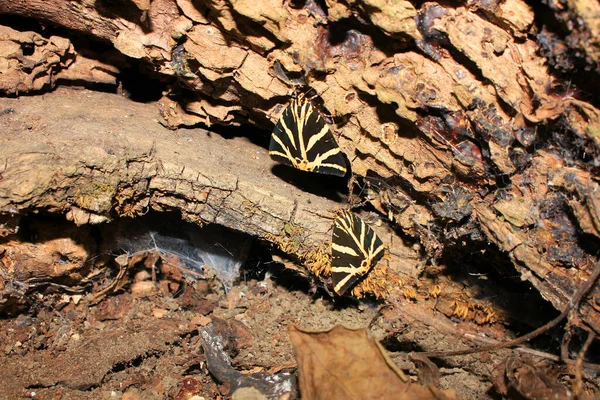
<point>164,286</point>
<point>142,287</point>
<point>122,260</point>
<point>248,393</point>
<point>159,312</point>
<point>141,276</point>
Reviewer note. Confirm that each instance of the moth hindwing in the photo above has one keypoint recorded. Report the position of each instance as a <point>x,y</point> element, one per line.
<point>355,249</point>
<point>303,140</point>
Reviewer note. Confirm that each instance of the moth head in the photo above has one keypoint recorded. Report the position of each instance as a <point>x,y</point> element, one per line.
<point>366,263</point>
<point>302,165</point>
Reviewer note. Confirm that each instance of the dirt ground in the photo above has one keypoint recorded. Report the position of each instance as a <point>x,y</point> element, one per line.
<point>139,334</point>
<point>146,344</point>
<point>143,341</point>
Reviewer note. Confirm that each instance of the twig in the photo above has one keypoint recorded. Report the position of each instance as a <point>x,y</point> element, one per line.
<point>566,341</point>
<point>544,328</point>
<point>578,387</point>
<point>103,292</point>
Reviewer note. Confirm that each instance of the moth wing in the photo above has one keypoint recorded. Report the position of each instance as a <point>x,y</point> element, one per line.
<point>353,242</point>
<point>284,146</point>
<point>321,147</point>
<point>301,134</point>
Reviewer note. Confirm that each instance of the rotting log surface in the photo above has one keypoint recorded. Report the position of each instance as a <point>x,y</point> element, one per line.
<point>118,157</point>
<point>100,156</point>
<point>454,107</point>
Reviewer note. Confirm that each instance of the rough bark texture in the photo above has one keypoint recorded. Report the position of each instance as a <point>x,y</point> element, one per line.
<point>455,112</point>
<point>118,161</point>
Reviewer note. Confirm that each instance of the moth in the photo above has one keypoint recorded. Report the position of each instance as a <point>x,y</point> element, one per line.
<point>355,249</point>
<point>303,140</point>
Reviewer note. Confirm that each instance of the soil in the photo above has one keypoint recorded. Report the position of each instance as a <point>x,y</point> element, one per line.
<point>146,344</point>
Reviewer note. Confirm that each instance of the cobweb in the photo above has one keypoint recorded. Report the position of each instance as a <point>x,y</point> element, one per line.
<point>220,250</point>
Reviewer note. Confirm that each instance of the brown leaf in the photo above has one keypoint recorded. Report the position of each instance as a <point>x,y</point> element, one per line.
<point>531,380</point>
<point>347,364</point>
<point>428,371</point>
<point>235,334</point>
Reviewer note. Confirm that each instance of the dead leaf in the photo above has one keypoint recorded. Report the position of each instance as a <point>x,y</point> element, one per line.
<point>347,364</point>
<point>219,363</point>
<point>531,380</point>
<point>428,371</point>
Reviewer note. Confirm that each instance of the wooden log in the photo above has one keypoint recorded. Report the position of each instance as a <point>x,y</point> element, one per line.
<point>118,161</point>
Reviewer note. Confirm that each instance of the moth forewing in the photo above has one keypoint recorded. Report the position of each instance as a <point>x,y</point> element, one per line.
<point>289,133</point>
<point>320,135</point>
<point>355,249</point>
<point>304,141</point>
<point>278,155</point>
<point>376,245</point>
<point>362,242</point>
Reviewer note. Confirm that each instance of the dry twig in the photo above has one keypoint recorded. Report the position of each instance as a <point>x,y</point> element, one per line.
<point>573,303</point>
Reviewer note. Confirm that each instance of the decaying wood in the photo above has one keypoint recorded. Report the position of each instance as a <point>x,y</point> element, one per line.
<point>455,108</point>
<point>52,59</point>
<point>133,165</point>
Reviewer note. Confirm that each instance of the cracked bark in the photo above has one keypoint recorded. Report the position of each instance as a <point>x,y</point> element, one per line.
<point>134,165</point>
<point>474,136</point>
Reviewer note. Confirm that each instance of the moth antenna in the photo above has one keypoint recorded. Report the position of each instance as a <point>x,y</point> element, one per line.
<point>362,187</point>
